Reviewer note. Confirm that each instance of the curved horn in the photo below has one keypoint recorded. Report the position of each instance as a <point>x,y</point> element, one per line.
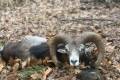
<point>95,38</point>
<point>53,42</point>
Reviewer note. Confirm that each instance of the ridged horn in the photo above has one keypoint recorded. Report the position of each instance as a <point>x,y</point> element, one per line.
<point>53,42</point>
<point>97,40</point>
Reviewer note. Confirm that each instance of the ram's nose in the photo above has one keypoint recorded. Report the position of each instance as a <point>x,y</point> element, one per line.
<point>74,61</point>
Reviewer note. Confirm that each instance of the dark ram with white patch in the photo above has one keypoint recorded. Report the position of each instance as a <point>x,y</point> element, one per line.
<point>61,48</point>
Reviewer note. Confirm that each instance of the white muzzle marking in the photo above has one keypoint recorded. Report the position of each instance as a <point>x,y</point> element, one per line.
<point>74,58</point>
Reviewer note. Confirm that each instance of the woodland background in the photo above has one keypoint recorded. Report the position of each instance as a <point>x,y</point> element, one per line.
<point>41,17</point>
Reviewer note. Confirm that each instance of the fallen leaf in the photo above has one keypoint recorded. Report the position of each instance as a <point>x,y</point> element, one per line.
<point>77,71</point>
<point>2,64</point>
<point>117,67</point>
<point>110,48</point>
<point>35,76</point>
<point>15,67</point>
<point>47,73</point>
<point>12,76</point>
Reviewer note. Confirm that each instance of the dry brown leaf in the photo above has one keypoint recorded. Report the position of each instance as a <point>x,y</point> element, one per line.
<point>117,66</point>
<point>15,64</point>
<point>11,61</point>
<point>68,77</point>
<point>35,61</point>
<point>110,62</point>
<point>108,43</point>
<point>77,71</point>
<point>1,67</point>
<point>2,64</point>
<point>110,48</point>
<point>15,67</point>
<point>35,76</point>
<point>106,62</point>
<point>118,79</point>
<point>50,34</point>
<point>46,61</point>
<point>47,73</point>
<point>12,76</point>
<point>24,64</point>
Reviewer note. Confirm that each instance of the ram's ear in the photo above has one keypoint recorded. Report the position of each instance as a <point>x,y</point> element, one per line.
<point>63,51</point>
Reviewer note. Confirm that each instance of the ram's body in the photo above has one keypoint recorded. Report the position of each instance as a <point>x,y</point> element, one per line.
<point>27,47</point>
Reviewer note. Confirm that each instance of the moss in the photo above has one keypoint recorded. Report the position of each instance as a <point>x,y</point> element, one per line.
<point>24,74</point>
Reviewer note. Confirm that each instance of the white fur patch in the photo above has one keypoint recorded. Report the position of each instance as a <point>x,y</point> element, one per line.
<point>74,57</point>
<point>1,48</point>
<point>34,40</point>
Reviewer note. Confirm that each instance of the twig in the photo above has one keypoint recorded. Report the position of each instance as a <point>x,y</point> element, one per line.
<point>89,19</point>
<point>86,1</point>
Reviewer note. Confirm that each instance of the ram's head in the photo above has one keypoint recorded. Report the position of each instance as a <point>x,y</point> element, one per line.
<point>75,48</point>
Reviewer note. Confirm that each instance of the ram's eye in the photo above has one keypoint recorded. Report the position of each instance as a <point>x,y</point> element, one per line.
<point>67,47</point>
<point>81,47</point>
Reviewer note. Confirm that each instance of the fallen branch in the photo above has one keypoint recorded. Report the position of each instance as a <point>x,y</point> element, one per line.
<point>88,19</point>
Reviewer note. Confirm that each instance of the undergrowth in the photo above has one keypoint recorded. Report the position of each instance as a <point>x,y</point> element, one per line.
<point>24,74</point>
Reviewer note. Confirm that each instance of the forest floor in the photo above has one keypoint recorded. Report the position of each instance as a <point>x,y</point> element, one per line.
<point>41,17</point>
